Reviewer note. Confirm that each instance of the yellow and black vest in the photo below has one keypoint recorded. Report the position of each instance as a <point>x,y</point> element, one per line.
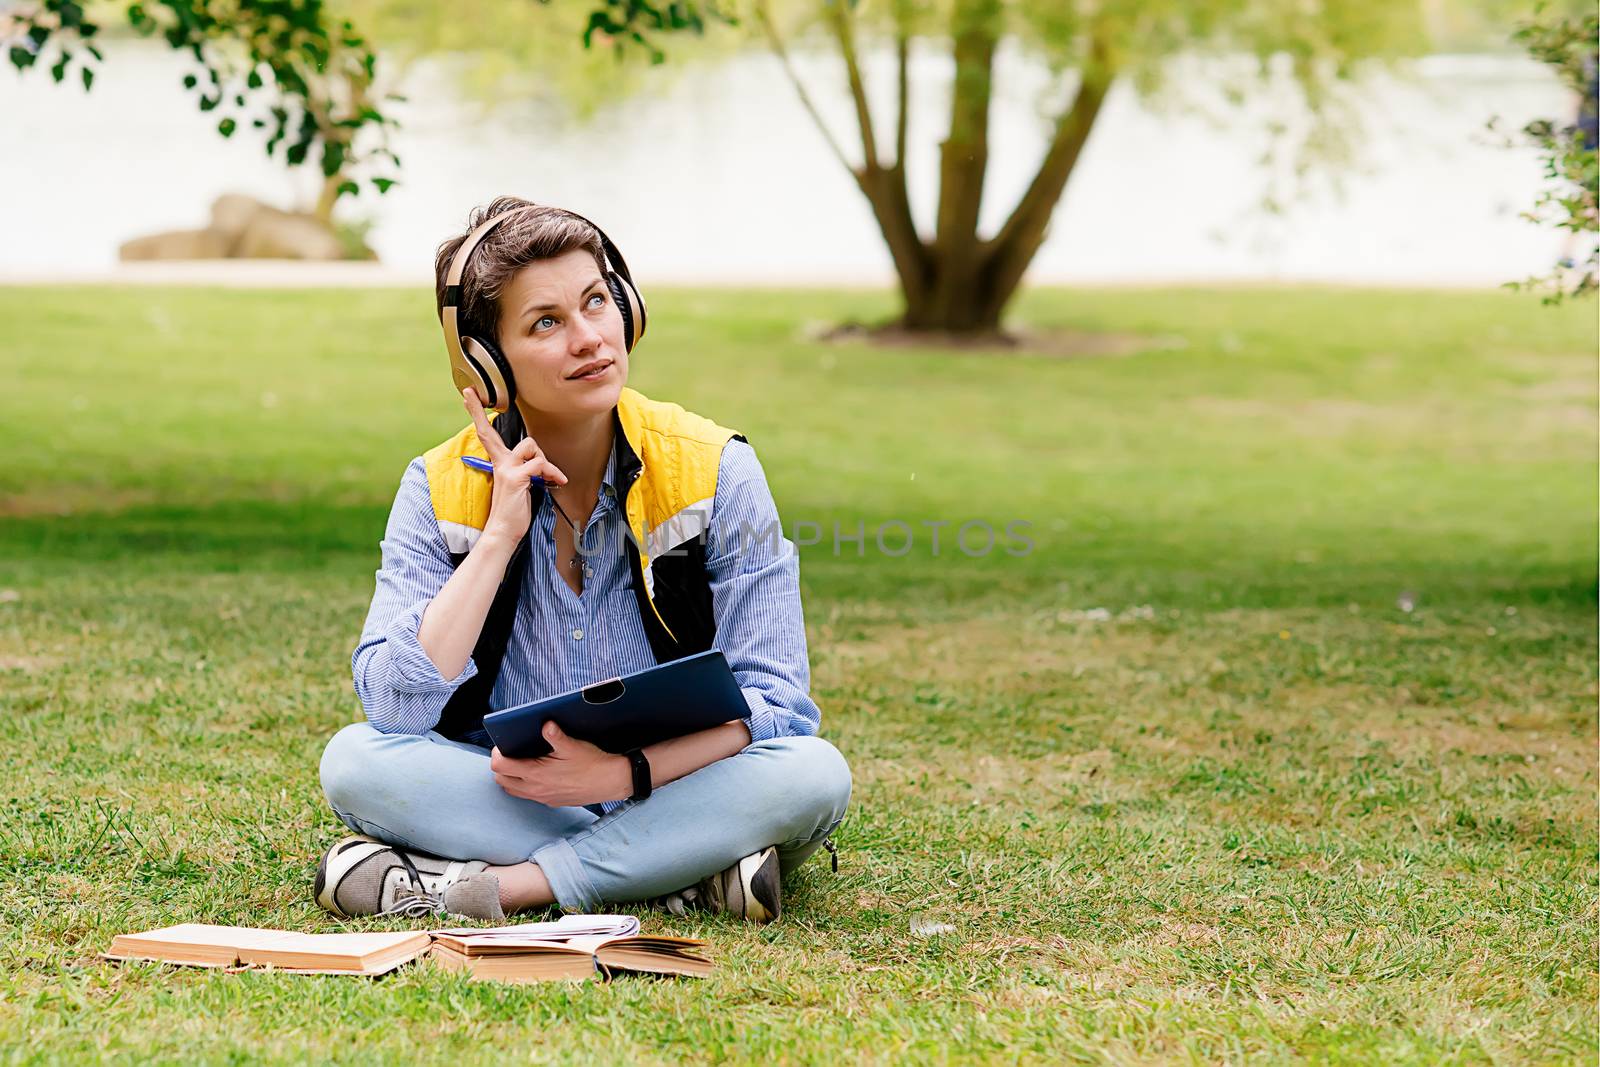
<point>666,474</point>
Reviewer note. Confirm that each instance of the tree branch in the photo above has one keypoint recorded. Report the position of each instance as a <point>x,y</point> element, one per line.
<point>902,55</point>
<point>764,16</point>
<point>1008,254</point>
<point>844,31</point>
<point>884,188</point>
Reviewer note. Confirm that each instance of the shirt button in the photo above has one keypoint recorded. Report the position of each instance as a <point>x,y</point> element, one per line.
<point>577,635</point>
<point>610,491</point>
<point>588,571</point>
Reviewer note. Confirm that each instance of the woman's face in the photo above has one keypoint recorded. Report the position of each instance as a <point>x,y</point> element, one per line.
<point>562,334</point>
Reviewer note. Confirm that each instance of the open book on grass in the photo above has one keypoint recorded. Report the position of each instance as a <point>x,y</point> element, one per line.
<point>575,947</point>
<point>204,945</point>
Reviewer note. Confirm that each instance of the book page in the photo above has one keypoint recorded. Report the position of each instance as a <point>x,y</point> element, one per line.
<point>200,944</point>
<point>567,926</point>
<point>352,944</point>
<point>484,948</point>
<point>337,951</point>
<point>206,934</point>
<point>592,942</point>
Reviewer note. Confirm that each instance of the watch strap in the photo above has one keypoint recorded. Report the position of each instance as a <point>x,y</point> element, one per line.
<point>641,773</point>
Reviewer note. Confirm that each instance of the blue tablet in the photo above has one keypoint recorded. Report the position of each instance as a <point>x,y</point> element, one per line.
<point>669,700</point>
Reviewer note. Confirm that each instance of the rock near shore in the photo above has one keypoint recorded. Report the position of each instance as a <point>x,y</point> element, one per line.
<point>243,227</point>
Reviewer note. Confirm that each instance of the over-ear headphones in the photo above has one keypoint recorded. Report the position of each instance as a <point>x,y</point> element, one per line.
<point>478,362</point>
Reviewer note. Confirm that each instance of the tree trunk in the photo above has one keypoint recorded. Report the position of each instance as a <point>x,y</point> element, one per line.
<point>328,198</point>
<point>963,163</point>
<point>885,190</point>
<point>342,95</point>
<point>968,310</point>
<point>972,285</point>
<point>956,283</point>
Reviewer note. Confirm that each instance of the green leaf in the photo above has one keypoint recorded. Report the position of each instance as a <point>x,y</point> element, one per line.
<point>332,158</point>
<point>190,81</point>
<point>59,69</point>
<point>383,185</point>
<point>226,127</point>
<point>348,188</point>
<point>88,77</point>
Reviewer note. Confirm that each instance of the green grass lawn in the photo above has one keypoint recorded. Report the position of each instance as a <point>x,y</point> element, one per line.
<point>1186,780</point>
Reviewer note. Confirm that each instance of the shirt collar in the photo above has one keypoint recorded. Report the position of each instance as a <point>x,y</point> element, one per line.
<point>606,501</point>
<point>608,480</point>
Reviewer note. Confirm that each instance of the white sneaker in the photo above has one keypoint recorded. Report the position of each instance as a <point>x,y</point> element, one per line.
<point>364,876</point>
<point>750,889</point>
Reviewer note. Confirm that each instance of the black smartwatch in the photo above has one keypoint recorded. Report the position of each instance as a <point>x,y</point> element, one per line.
<point>641,773</point>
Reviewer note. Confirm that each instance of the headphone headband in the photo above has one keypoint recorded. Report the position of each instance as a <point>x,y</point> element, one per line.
<point>458,265</point>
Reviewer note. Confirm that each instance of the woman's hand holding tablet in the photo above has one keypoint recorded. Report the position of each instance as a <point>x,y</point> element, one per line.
<point>681,697</point>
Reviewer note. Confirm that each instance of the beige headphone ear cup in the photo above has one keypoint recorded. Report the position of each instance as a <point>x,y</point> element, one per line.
<point>484,374</point>
<point>634,317</point>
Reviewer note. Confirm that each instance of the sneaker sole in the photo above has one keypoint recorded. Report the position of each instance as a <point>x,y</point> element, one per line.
<point>335,864</point>
<point>761,886</point>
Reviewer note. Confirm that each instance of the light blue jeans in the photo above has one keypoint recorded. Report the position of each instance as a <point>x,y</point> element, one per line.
<point>434,795</point>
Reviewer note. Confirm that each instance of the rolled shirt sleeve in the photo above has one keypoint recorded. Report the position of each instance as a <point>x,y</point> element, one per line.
<point>755,597</point>
<point>400,688</point>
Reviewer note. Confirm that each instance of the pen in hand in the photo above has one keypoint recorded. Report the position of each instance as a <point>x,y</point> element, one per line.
<point>488,468</point>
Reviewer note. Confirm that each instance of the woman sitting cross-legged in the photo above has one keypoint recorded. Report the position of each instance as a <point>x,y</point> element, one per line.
<point>613,533</point>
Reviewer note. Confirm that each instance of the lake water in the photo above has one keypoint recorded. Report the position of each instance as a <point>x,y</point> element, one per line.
<point>717,174</point>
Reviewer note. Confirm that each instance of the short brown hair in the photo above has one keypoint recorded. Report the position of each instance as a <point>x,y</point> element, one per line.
<point>540,233</point>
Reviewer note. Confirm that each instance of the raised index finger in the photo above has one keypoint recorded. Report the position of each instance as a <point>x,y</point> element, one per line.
<point>492,442</point>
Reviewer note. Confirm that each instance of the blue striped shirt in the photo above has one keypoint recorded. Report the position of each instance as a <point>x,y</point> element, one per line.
<point>561,640</point>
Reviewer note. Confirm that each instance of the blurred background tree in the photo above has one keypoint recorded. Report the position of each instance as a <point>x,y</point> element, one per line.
<point>316,76</point>
<point>573,55</point>
<point>1571,47</point>
<point>956,279</point>
<point>287,67</point>
<point>568,56</point>
<point>301,71</point>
